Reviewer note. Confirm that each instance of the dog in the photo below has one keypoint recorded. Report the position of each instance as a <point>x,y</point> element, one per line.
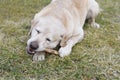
<point>61,22</point>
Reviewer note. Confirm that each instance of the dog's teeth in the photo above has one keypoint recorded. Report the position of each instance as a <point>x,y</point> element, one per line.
<point>33,52</point>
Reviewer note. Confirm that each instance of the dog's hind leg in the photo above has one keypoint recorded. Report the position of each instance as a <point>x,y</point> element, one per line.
<point>92,22</point>
<point>92,13</point>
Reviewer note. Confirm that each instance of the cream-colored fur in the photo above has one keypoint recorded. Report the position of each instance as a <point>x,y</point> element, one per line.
<point>62,20</point>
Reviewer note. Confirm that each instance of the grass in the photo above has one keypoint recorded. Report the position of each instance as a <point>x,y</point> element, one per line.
<point>97,57</point>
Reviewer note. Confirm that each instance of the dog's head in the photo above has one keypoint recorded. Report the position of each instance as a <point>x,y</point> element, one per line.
<point>43,35</point>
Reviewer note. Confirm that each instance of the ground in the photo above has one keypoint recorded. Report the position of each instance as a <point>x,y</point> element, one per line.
<point>97,57</point>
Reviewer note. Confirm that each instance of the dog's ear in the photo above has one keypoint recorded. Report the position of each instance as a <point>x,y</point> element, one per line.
<point>33,24</point>
<point>29,33</point>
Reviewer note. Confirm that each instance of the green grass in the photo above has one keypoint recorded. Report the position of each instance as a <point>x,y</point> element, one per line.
<point>97,57</point>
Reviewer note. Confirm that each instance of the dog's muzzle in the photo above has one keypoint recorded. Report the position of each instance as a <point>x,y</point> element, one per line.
<point>32,47</point>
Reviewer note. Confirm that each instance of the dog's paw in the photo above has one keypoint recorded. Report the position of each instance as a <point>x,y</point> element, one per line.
<point>95,25</point>
<point>39,57</point>
<point>64,51</point>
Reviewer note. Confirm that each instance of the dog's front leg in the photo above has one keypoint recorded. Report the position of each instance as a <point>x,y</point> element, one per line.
<point>40,56</point>
<point>66,50</point>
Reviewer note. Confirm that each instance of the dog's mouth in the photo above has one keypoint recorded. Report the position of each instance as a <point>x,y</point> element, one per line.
<point>30,51</point>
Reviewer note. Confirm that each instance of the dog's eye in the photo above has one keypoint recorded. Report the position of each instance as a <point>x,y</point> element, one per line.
<point>38,31</point>
<point>48,39</point>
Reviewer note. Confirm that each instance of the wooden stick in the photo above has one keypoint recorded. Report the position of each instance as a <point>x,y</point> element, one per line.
<point>51,51</point>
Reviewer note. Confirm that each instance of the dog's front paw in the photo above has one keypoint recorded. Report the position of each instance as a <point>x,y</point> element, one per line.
<point>39,57</point>
<point>64,51</point>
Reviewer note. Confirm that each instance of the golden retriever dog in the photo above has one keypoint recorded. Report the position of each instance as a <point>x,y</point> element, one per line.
<point>61,22</point>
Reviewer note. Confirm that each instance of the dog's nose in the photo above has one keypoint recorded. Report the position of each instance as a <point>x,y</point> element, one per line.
<point>34,45</point>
